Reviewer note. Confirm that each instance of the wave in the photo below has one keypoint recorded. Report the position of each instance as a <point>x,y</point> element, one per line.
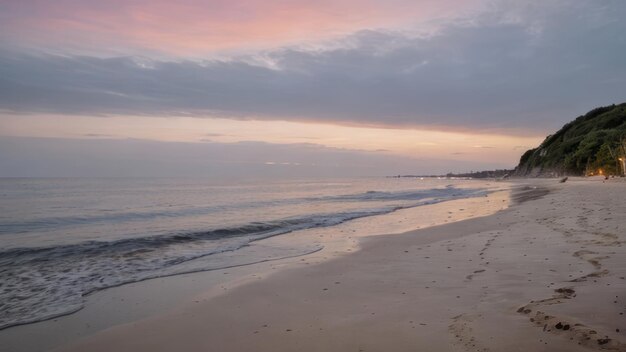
<point>45,282</point>
<point>449,191</point>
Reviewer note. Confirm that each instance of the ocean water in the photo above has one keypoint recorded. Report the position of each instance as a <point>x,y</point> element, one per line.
<point>61,239</point>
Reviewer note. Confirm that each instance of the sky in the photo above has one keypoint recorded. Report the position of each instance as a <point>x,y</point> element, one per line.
<point>294,88</point>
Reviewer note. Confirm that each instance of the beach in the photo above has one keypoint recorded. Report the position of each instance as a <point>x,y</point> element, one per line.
<point>544,274</point>
<point>312,176</point>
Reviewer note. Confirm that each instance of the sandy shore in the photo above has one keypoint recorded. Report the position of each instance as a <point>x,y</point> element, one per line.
<point>546,274</point>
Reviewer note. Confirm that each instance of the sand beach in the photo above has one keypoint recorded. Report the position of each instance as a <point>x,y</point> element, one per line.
<point>546,274</point>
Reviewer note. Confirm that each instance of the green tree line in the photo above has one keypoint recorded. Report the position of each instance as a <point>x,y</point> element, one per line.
<point>593,143</point>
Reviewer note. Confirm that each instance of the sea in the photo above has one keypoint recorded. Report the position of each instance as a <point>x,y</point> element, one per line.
<point>64,238</point>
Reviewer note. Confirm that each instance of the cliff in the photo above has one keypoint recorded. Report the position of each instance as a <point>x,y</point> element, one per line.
<point>593,143</point>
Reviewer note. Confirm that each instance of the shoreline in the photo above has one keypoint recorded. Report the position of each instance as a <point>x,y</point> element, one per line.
<point>455,287</point>
<point>501,282</point>
<point>129,303</point>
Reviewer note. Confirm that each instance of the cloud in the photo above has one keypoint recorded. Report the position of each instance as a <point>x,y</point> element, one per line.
<point>529,67</point>
<point>200,26</point>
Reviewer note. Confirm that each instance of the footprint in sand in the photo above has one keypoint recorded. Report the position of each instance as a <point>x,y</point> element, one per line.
<point>576,332</point>
<point>471,276</point>
<point>461,329</point>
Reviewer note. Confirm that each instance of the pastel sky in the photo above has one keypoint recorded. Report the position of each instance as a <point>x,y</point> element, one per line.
<point>297,88</point>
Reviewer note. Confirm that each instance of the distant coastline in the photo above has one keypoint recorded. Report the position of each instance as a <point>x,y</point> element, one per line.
<point>503,173</point>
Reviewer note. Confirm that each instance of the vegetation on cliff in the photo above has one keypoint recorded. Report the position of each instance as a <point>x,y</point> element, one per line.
<point>593,143</point>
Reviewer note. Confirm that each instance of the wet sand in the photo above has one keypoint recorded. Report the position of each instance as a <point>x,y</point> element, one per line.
<point>546,274</point>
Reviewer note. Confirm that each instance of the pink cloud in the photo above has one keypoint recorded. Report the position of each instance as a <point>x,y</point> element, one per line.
<point>198,27</point>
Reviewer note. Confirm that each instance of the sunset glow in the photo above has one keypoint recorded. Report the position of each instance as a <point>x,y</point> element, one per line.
<point>479,81</point>
<point>200,28</point>
<point>405,142</point>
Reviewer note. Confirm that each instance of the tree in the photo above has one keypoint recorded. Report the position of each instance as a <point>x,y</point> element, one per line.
<point>621,153</point>
<point>606,160</point>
